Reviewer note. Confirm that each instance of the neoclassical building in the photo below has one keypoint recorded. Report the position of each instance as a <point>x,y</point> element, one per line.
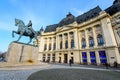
<point>90,38</point>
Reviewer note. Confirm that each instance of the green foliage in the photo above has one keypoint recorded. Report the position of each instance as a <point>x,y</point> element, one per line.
<point>30,61</point>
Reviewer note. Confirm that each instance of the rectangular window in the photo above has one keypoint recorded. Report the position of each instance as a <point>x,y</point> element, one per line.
<point>53,57</point>
<point>45,47</point>
<point>72,44</point>
<point>83,44</point>
<point>54,47</point>
<point>103,58</point>
<point>93,57</point>
<point>84,57</point>
<point>44,57</point>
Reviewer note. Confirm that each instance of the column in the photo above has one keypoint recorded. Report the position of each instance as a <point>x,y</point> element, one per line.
<point>57,42</point>
<point>75,39</point>
<point>69,57</point>
<point>81,60</point>
<point>95,37</point>
<point>48,44</point>
<point>62,57</point>
<point>108,32</point>
<point>56,57</point>
<point>69,41</point>
<point>97,57</point>
<point>86,38</point>
<point>52,43</point>
<point>63,41</point>
<point>51,57</point>
<point>79,40</point>
<point>88,58</point>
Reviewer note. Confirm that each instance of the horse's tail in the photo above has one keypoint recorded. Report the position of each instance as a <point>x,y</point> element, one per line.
<point>35,34</point>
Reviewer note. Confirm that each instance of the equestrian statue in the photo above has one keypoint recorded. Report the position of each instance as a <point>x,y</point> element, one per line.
<point>25,30</point>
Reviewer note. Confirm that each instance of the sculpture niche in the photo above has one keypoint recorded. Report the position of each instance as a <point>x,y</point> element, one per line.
<point>25,30</point>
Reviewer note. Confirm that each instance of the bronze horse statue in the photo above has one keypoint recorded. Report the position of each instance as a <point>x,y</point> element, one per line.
<point>24,31</point>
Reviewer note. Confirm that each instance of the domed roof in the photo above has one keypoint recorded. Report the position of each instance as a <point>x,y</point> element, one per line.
<point>68,20</point>
<point>114,8</point>
<point>116,1</point>
<point>88,15</point>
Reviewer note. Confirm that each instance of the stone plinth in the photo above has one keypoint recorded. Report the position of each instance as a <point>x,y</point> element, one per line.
<point>19,52</point>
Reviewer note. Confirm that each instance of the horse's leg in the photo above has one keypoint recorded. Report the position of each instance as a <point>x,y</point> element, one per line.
<point>19,37</point>
<point>14,32</point>
<point>30,40</point>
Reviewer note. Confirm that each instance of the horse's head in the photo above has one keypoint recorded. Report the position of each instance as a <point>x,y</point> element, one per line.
<point>17,21</point>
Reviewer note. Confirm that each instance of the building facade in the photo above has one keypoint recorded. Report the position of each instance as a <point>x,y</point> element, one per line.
<point>90,38</point>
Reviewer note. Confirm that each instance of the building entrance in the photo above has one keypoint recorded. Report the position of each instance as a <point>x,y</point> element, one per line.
<point>93,57</point>
<point>84,57</point>
<point>103,58</point>
<point>72,60</point>
<point>65,58</point>
<point>59,59</point>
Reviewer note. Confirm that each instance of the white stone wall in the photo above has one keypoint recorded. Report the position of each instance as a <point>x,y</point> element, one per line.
<point>103,20</point>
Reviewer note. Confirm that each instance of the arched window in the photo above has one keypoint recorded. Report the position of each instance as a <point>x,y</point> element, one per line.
<point>50,46</point>
<point>54,46</point>
<point>45,47</point>
<point>91,42</point>
<point>83,43</point>
<point>61,45</point>
<point>72,43</point>
<point>100,39</point>
<point>66,44</point>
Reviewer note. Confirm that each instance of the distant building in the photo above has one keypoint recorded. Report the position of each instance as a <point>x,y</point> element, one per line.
<point>90,38</point>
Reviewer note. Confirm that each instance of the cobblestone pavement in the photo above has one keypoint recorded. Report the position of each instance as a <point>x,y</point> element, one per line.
<point>23,72</point>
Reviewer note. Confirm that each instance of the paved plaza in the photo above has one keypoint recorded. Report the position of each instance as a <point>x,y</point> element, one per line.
<point>23,72</point>
<point>74,74</point>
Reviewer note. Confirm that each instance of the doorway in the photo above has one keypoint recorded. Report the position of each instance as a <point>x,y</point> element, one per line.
<point>59,59</point>
<point>72,60</point>
<point>93,57</point>
<point>65,58</point>
<point>103,57</point>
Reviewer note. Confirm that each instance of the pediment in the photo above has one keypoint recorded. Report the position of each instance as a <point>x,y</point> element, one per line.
<point>59,29</point>
<point>66,27</point>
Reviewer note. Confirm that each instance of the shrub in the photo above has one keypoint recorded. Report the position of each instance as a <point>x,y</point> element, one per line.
<point>30,61</point>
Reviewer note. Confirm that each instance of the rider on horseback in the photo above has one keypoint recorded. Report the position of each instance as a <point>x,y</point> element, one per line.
<point>30,26</point>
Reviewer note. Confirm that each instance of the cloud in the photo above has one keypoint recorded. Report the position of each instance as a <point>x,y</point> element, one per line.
<point>77,11</point>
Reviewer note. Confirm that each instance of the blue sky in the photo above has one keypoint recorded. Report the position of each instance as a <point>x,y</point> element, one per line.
<point>41,12</point>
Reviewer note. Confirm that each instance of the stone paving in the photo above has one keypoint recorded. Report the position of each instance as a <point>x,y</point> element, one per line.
<point>23,72</point>
<point>74,74</point>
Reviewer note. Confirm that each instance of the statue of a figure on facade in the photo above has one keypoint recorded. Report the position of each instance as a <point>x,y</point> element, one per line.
<point>116,22</point>
<point>25,30</point>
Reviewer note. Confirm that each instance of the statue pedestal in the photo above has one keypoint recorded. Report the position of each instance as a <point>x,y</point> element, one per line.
<point>19,52</point>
